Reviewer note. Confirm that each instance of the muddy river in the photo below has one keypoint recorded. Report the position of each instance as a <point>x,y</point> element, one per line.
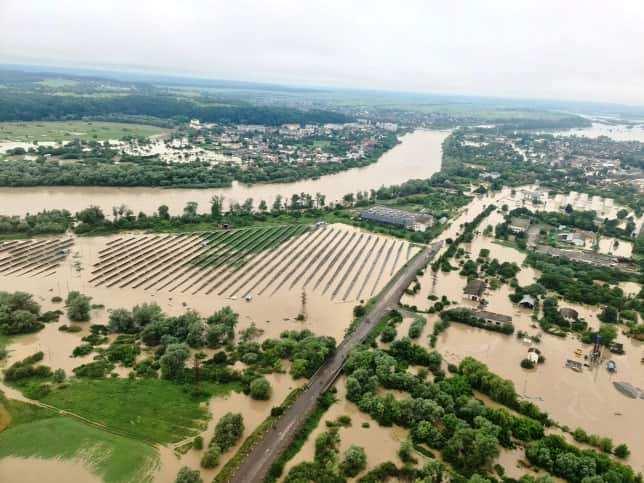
<point>417,156</point>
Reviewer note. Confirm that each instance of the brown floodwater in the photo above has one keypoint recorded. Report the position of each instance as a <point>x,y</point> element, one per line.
<point>417,156</point>
<point>380,443</point>
<point>254,413</point>
<point>38,470</point>
<point>586,399</point>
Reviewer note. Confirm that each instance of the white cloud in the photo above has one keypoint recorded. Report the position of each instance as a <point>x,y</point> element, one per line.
<point>573,49</point>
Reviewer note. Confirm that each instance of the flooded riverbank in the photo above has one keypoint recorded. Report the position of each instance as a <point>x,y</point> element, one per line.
<point>417,156</point>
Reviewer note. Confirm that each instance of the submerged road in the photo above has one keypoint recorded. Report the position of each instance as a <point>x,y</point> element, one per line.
<point>257,464</point>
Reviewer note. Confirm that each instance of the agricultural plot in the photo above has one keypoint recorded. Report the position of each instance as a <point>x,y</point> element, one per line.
<point>335,261</point>
<point>33,258</point>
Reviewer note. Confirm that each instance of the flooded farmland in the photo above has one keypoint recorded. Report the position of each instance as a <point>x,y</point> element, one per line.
<point>417,156</point>
<point>260,273</point>
<point>263,273</point>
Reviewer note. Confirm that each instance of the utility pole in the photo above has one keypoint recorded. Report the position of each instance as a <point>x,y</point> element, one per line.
<point>303,309</point>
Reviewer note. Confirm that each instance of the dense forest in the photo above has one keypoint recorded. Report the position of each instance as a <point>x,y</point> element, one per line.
<point>38,107</point>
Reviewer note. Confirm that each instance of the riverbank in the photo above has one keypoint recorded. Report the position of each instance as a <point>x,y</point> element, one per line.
<point>417,156</point>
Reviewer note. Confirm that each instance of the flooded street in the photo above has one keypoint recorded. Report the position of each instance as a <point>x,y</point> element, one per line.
<point>417,156</point>
<point>586,399</point>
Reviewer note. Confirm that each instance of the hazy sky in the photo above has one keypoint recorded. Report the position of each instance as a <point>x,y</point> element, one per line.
<point>557,49</point>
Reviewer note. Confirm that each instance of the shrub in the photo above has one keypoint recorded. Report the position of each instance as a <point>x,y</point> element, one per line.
<point>210,459</point>
<point>260,389</point>
<point>78,306</point>
<point>186,475</point>
<point>197,443</point>
<point>622,451</point>
<point>354,461</point>
<point>388,334</point>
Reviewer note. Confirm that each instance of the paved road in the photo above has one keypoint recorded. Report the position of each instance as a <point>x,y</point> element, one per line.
<point>256,466</point>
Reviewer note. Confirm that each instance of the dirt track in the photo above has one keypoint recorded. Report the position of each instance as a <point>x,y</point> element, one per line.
<point>256,466</point>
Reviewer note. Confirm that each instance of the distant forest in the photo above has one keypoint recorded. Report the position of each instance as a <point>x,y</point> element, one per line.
<point>31,106</point>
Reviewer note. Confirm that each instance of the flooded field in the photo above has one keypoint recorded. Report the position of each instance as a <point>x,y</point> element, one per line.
<point>37,470</point>
<point>333,265</point>
<point>417,156</point>
<point>260,273</point>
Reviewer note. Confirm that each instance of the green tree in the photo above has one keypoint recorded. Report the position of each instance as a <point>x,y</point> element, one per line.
<point>353,461</point>
<point>78,306</point>
<point>173,361</point>
<point>210,458</point>
<point>164,212</point>
<point>622,451</point>
<point>470,449</point>
<point>260,389</point>
<point>186,475</point>
<point>228,431</point>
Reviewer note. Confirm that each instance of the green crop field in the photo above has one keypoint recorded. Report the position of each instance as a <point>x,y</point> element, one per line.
<point>69,130</point>
<point>156,410</point>
<point>113,458</point>
<point>35,432</point>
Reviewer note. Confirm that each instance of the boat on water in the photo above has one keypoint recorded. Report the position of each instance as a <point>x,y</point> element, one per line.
<point>627,389</point>
<point>611,366</point>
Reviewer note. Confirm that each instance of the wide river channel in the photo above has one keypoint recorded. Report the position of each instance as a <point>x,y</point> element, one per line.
<point>417,156</point>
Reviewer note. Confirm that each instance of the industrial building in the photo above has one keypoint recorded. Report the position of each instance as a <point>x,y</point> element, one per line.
<point>392,216</point>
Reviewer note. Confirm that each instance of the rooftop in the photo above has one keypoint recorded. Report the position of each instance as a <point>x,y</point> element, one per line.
<point>484,314</point>
<point>520,222</point>
<point>475,287</point>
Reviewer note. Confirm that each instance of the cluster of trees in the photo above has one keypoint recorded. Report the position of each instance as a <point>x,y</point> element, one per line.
<point>559,458</point>
<point>27,368</point>
<point>605,444</point>
<point>466,236</point>
<point>505,271</point>
<point>327,465</point>
<point>306,351</point>
<point>576,282</point>
<point>19,314</point>
<point>228,432</point>
<point>441,415</point>
<point>48,221</point>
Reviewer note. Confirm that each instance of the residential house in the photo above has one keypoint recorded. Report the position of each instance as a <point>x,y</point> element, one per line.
<point>474,290</point>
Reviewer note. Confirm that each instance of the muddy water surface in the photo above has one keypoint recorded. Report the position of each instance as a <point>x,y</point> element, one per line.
<point>380,443</point>
<point>417,156</point>
<point>37,470</point>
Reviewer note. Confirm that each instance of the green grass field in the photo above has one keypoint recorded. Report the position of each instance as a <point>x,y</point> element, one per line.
<point>114,458</point>
<point>153,410</point>
<point>69,130</point>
